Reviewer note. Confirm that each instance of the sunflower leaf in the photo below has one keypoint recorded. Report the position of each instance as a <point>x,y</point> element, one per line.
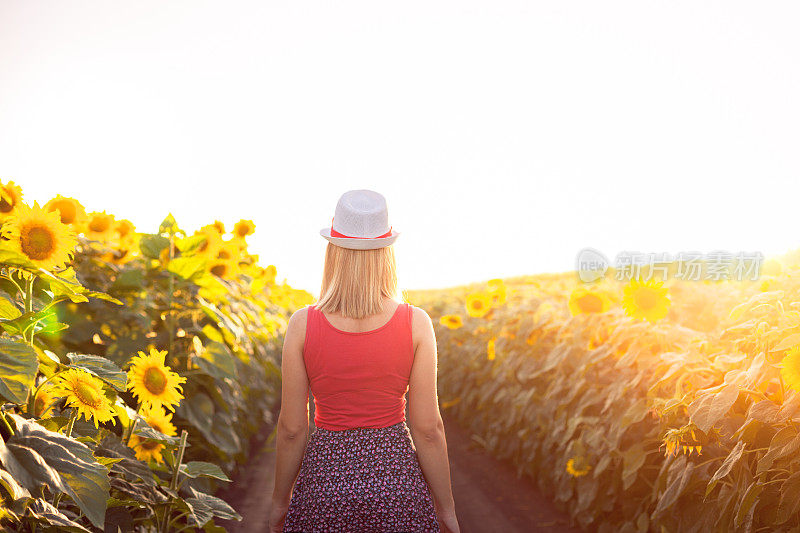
<point>35,456</point>
<point>190,267</point>
<point>195,469</point>
<point>152,245</point>
<point>18,367</point>
<point>204,507</point>
<point>14,259</point>
<point>101,367</point>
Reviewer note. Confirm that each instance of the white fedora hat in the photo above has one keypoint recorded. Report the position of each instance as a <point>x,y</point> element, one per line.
<point>361,222</point>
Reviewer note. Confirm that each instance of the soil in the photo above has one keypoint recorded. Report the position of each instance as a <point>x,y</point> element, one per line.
<point>489,497</point>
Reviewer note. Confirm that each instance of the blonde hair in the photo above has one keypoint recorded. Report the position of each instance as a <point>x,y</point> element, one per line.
<point>355,282</point>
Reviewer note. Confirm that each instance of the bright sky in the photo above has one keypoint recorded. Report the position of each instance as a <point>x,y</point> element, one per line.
<point>506,136</point>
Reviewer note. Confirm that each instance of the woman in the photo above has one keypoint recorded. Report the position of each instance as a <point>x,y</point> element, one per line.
<point>360,351</point>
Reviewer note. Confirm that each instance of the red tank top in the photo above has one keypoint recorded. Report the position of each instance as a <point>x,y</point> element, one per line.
<point>359,379</point>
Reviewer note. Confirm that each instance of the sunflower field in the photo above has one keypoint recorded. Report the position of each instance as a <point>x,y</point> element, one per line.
<point>134,367</point>
<point>638,405</point>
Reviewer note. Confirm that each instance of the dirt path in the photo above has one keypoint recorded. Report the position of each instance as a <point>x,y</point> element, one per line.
<point>489,497</point>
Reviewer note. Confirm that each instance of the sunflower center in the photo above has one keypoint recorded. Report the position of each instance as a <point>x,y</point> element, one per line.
<point>203,247</point>
<point>590,303</point>
<point>219,270</point>
<point>223,254</point>
<point>66,210</point>
<point>155,380</point>
<point>38,407</point>
<point>477,304</point>
<point>5,206</point>
<point>86,394</point>
<point>645,299</point>
<point>37,242</point>
<point>99,224</point>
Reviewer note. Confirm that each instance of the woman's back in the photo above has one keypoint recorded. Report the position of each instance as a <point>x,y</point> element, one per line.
<point>358,376</point>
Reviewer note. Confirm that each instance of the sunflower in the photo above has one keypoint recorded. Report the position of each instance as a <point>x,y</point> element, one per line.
<point>124,229</point>
<point>212,244</point>
<point>224,268</point>
<point>158,419</point>
<point>219,226</point>
<point>490,349</point>
<point>243,228</point>
<point>497,290</point>
<point>154,383</point>
<point>583,301</point>
<point>576,467</point>
<point>10,198</point>
<point>479,303</point>
<point>84,392</point>
<point>100,226</point>
<point>790,368</point>
<point>70,209</point>
<point>43,406</point>
<point>648,300</point>
<point>39,236</point>
<point>451,321</point>
<point>270,272</point>
<point>229,250</point>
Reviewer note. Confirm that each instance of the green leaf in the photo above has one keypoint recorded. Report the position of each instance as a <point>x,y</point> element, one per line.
<point>787,342</point>
<point>8,308</point>
<point>48,515</point>
<point>726,466</point>
<point>101,367</point>
<point>790,498</point>
<point>190,245</point>
<point>785,442</point>
<point>216,360</point>
<point>204,507</point>
<point>14,489</point>
<point>66,284</point>
<point>680,472</point>
<point>14,259</point>
<point>147,432</point>
<point>152,245</point>
<point>748,503</point>
<point>168,225</point>
<point>130,279</point>
<point>633,458</point>
<point>18,367</point>
<point>195,469</point>
<point>707,410</point>
<point>189,267</point>
<point>35,455</point>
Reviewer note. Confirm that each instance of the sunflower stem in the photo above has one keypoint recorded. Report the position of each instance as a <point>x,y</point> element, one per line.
<point>71,423</point>
<point>170,317</point>
<point>132,425</point>
<point>178,459</point>
<point>6,425</point>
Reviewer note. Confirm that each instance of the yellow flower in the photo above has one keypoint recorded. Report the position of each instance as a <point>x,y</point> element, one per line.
<point>211,247</point>
<point>243,228</point>
<point>158,419</point>
<point>39,236</point>
<point>224,268</point>
<point>10,198</point>
<point>576,468</point>
<point>478,304</point>
<point>124,229</point>
<point>490,350</point>
<point>70,209</point>
<point>100,226</point>
<point>154,383</point>
<point>84,392</point>
<point>43,406</point>
<point>790,368</point>
<point>229,250</point>
<point>451,321</point>
<point>584,301</point>
<point>219,226</point>
<point>497,290</point>
<point>648,300</point>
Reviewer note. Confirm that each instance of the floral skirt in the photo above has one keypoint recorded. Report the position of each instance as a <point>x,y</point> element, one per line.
<point>361,480</point>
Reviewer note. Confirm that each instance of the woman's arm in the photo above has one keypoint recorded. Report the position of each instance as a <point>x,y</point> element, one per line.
<point>424,418</point>
<point>292,431</point>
